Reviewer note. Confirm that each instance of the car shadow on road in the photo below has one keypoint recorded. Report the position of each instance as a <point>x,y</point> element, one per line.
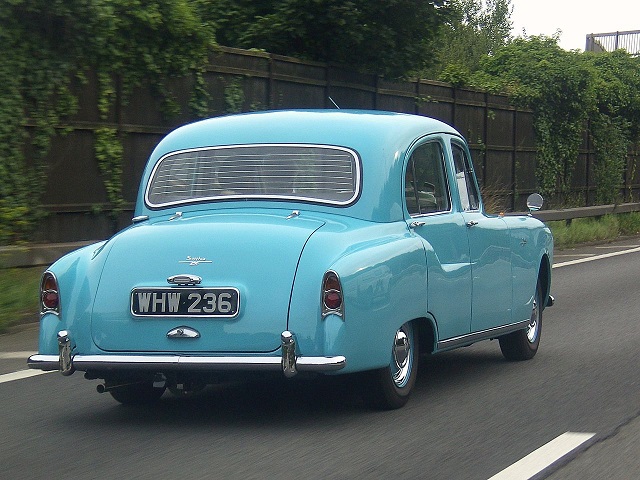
<point>465,365</point>
<point>276,402</point>
<point>268,402</point>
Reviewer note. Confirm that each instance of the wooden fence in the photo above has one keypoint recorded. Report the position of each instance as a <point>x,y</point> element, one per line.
<point>501,137</point>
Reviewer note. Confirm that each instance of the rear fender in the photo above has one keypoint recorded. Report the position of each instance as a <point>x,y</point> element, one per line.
<point>78,275</point>
<point>384,285</point>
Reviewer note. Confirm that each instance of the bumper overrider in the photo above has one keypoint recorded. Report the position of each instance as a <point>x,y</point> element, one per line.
<point>289,363</point>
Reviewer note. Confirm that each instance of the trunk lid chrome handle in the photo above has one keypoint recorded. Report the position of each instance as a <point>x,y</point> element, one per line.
<point>184,279</point>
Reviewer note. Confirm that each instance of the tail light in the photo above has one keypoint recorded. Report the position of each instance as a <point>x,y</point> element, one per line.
<point>49,294</point>
<point>332,298</point>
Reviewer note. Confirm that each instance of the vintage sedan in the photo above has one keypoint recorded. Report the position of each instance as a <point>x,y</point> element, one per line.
<point>324,242</point>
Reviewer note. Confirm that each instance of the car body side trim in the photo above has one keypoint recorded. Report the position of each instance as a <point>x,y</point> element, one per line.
<point>470,338</point>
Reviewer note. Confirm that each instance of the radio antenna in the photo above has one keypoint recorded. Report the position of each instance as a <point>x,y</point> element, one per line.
<point>334,103</point>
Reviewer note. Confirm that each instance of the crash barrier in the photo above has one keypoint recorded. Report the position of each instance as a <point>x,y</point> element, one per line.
<point>568,214</point>
<point>45,254</point>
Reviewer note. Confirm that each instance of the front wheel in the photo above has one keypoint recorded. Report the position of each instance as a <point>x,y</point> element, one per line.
<point>389,388</point>
<point>523,344</point>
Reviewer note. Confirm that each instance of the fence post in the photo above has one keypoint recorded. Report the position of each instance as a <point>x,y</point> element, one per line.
<point>270,89</point>
<point>377,91</point>
<point>514,160</point>
<point>587,173</point>
<point>485,136</point>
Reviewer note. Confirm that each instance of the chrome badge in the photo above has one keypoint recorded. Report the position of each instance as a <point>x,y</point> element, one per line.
<point>195,260</point>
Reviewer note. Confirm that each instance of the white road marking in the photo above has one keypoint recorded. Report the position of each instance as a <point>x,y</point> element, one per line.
<point>15,355</point>
<point>19,375</point>
<point>603,247</point>
<point>543,457</point>
<point>596,257</point>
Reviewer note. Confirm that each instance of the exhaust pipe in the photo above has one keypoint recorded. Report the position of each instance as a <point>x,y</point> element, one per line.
<point>103,387</point>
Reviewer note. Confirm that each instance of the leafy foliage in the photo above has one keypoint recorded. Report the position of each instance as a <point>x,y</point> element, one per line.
<point>538,74</point>
<point>37,57</point>
<point>150,41</point>
<point>109,157</point>
<point>392,38</point>
<point>611,143</point>
<point>473,29</point>
<point>565,89</point>
<point>234,96</point>
<point>45,45</point>
<point>615,121</point>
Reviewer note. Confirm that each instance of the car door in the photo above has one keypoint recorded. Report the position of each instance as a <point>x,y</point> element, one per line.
<point>443,232</point>
<point>489,249</point>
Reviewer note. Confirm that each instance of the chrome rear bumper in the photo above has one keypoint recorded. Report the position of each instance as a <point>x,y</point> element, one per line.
<point>288,362</point>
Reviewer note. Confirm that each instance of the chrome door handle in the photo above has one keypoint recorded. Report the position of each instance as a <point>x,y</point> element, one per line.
<point>471,223</point>
<point>417,224</point>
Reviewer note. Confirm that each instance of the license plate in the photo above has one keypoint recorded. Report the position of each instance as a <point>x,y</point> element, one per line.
<point>185,302</point>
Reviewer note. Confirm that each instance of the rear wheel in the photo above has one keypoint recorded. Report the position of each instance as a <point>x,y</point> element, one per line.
<point>389,388</point>
<point>523,344</point>
<point>142,393</point>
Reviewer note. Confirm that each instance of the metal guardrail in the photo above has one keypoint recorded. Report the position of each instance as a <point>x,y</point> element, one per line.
<point>45,254</point>
<point>34,255</point>
<point>568,214</point>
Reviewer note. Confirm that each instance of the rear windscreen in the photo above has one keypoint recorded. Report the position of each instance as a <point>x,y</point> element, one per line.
<point>321,174</point>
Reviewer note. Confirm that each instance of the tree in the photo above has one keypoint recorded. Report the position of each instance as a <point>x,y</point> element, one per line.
<point>569,91</point>
<point>615,119</point>
<point>474,28</point>
<point>393,38</point>
<point>537,74</point>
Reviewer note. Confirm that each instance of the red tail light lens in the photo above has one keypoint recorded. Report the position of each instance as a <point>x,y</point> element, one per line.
<point>49,294</point>
<point>332,298</point>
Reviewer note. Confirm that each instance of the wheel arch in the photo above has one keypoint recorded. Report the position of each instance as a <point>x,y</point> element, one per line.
<point>426,333</point>
<point>544,278</point>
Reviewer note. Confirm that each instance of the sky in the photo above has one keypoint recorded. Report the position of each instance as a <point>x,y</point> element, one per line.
<point>576,18</point>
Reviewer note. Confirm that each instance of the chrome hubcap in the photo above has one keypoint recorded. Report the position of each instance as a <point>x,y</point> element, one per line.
<point>401,364</point>
<point>532,328</point>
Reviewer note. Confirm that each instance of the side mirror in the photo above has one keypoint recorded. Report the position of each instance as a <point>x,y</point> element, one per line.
<point>534,202</point>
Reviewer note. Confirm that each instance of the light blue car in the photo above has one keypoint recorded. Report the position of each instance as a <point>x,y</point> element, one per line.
<point>330,242</point>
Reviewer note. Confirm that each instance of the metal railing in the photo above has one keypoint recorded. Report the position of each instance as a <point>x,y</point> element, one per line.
<point>608,42</point>
<point>568,214</point>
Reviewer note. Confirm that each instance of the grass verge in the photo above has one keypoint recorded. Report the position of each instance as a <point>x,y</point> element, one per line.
<point>19,301</point>
<point>587,230</point>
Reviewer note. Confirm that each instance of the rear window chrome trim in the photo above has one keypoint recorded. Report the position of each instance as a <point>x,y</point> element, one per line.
<point>291,198</point>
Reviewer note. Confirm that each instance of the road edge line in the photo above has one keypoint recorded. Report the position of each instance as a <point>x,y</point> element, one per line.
<point>20,374</point>
<point>545,456</point>
<point>595,257</point>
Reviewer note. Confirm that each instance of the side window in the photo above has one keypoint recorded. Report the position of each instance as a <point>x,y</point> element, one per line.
<point>426,186</point>
<point>469,197</point>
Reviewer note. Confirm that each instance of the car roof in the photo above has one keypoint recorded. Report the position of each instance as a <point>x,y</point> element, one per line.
<point>380,138</point>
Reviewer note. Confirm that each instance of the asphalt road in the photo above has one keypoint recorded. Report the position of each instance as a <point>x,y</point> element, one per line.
<point>473,414</point>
